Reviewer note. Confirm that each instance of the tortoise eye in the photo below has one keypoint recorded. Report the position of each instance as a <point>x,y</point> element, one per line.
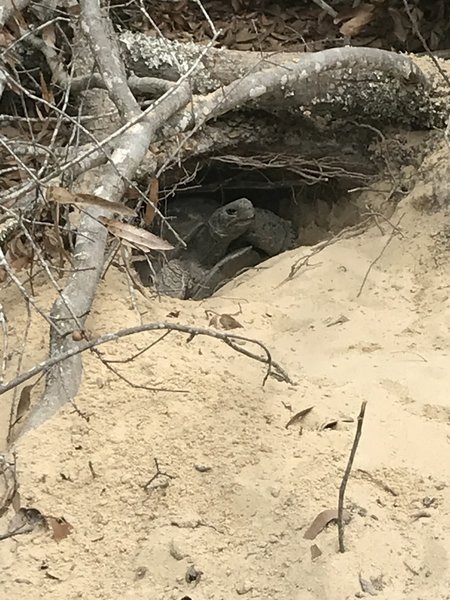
<point>231,212</point>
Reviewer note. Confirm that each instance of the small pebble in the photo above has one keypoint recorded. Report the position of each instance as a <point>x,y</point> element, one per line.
<point>176,552</point>
<point>140,573</point>
<point>202,468</point>
<point>244,588</point>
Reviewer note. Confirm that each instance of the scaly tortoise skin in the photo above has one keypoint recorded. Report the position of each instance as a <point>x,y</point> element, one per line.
<point>220,242</point>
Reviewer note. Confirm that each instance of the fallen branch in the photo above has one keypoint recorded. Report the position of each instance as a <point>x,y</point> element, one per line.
<point>307,84</point>
<point>47,409</point>
<point>150,56</point>
<point>74,302</point>
<point>341,523</point>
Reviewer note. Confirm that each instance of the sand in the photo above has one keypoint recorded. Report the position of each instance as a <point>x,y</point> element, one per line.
<point>243,489</point>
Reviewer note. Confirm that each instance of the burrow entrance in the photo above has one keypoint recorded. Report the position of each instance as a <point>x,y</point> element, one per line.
<point>317,198</point>
<point>317,202</point>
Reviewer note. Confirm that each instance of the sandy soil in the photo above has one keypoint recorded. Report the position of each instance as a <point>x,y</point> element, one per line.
<point>242,521</point>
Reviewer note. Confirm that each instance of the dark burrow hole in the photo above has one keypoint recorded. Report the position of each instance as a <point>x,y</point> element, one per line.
<point>291,209</point>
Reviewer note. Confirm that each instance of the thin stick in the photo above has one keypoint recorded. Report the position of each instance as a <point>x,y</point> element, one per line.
<point>347,475</point>
<point>394,232</point>
<point>190,330</point>
<point>326,7</point>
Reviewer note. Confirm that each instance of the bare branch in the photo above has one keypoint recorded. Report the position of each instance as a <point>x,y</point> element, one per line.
<point>63,380</point>
<point>46,408</point>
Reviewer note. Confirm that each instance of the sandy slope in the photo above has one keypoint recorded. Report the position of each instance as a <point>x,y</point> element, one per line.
<point>242,522</point>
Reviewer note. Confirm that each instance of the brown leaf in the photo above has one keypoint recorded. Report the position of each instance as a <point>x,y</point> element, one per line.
<point>62,196</point>
<point>19,263</point>
<point>358,19</point>
<point>139,238</point>
<point>24,401</point>
<point>244,35</point>
<point>18,20</point>
<point>322,520</point>
<point>49,35</point>
<point>229,322</point>
<point>153,197</point>
<point>59,526</point>
<point>330,424</point>
<point>16,501</point>
<point>47,94</point>
<point>17,248</point>
<point>298,416</point>
<point>224,322</point>
<point>315,552</point>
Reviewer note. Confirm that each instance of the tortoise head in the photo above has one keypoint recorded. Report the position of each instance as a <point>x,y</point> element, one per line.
<point>232,220</point>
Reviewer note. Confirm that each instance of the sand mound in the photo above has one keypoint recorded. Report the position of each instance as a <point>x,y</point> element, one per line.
<point>242,488</point>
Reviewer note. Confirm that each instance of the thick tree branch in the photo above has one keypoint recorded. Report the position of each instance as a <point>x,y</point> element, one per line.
<point>149,56</point>
<point>107,57</point>
<point>73,304</point>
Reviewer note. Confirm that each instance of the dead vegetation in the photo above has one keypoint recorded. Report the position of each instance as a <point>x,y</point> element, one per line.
<point>109,111</point>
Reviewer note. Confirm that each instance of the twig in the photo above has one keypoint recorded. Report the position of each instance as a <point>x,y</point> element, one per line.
<point>192,331</point>
<point>5,265</point>
<point>347,475</point>
<point>346,233</point>
<point>158,473</point>
<point>424,43</point>
<point>208,18</point>
<point>136,386</point>
<point>136,354</point>
<point>394,232</point>
<point>327,8</point>
<point>8,469</point>
<point>4,328</point>
<point>15,402</point>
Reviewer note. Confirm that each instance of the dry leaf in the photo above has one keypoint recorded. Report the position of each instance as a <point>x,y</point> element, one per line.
<point>59,526</point>
<point>359,18</point>
<point>298,416</point>
<point>15,501</point>
<point>19,263</point>
<point>47,94</point>
<point>153,197</point>
<point>139,238</point>
<point>331,424</point>
<point>315,552</point>
<point>18,248</point>
<point>229,322</point>
<point>322,520</point>
<point>62,196</point>
<point>49,35</point>
<point>339,321</point>
<point>24,401</point>
<point>224,322</point>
